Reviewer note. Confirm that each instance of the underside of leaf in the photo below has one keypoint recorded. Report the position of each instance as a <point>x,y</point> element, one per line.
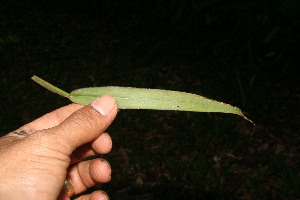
<point>140,98</point>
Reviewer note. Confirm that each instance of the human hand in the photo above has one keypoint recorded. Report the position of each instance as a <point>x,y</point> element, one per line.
<point>39,157</point>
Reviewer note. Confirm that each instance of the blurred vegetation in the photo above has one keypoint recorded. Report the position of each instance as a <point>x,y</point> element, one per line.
<point>240,52</point>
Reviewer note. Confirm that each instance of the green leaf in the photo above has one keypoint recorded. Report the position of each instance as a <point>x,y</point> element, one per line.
<point>49,86</point>
<point>139,98</point>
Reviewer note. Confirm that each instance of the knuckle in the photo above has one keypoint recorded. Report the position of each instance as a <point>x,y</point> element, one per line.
<point>86,118</point>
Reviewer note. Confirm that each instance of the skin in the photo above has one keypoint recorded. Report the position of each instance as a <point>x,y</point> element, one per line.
<point>37,158</point>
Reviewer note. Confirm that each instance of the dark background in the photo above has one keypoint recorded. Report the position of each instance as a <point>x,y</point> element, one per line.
<point>243,53</point>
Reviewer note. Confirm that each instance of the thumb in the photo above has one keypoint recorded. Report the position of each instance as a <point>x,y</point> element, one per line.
<point>85,124</point>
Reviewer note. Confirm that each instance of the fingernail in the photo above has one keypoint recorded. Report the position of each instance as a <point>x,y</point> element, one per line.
<point>105,195</point>
<point>105,105</point>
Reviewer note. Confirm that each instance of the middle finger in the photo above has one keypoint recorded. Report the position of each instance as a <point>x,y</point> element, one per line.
<point>86,174</point>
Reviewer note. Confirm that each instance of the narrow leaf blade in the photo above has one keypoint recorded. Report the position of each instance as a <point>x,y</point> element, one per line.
<point>139,98</point>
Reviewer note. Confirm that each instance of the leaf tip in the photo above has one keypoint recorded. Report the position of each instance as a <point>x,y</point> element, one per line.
<point>49,86</point>
<point>249,120</point>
